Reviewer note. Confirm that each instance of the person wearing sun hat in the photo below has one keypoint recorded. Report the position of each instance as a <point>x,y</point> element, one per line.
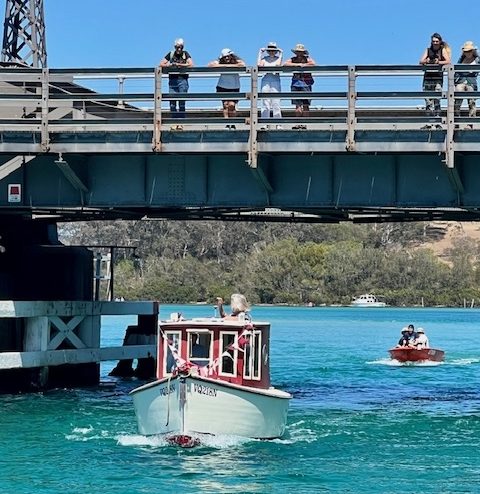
<point>301,81</point>
<point>421,341</point>
<point>228,83</point>
<point>404,339</point>
<point>177,83</point>
<point>467,81</point>
<point>271,56</point>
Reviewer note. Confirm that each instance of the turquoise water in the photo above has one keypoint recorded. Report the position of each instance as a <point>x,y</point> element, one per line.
<point>357,424</point>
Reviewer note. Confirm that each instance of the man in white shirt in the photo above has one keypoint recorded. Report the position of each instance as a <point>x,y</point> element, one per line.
<point>421,341</point>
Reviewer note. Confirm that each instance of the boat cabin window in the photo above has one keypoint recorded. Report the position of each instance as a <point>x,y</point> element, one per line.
<point>253,348</point>
<point>228,353</point>
<point>174,338</point>
<point>199,348</point>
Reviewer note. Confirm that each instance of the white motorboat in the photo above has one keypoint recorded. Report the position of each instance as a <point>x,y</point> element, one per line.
<point>213,377</point>
<point>367,300</point>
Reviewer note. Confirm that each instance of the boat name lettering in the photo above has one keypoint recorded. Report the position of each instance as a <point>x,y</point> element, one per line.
<point>204,390</point>
<point>167,390</point>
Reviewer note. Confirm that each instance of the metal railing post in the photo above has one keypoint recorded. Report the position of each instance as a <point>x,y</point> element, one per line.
<point>45,103</point>
<point>121,82</point>
<point>449,140</point>
<point>253,148</point>
<point>157,111</point>
<point>352,96</point>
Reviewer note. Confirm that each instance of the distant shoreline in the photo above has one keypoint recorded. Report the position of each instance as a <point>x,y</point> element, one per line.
<point>336,306</point>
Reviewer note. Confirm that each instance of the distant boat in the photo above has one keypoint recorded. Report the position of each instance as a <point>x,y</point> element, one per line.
<point>367,300</point>
<point>406,354</point>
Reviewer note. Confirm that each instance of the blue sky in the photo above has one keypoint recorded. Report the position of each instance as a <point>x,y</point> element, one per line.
<point>138,33</point>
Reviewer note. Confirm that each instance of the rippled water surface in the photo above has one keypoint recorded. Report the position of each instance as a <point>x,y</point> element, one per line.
<point>358,423</point>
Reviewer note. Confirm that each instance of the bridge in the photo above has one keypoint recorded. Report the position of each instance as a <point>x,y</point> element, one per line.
<point>71,151</point>
<point>92,143</point>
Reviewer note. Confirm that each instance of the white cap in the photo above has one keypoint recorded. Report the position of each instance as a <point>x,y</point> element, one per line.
<point>225,52</point>
<point>420,330</point>
<point>179,42</point>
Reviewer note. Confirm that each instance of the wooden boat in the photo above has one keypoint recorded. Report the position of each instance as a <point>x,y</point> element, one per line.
<point>407,354</point>
<point>213,377</point>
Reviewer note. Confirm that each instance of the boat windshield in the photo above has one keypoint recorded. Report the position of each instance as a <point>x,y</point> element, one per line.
<point>253,348</point>
<point>174,338</point>
<point>229,353</point>
<point>199,348</point>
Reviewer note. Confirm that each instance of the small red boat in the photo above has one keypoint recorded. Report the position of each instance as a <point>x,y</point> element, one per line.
<point>407,354</point>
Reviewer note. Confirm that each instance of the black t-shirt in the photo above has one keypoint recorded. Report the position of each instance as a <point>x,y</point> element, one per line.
<point>180,58</point>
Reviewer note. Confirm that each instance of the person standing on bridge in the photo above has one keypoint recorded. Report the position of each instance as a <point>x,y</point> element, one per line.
<point>271,56</point>
<point>228,83</point>
<point>177,83</point>
<point>438,53</point>
<point>301,81</point>
<point>467,81</point>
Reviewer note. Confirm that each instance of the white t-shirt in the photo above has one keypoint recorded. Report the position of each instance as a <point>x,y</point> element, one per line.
<point>421,341</point>
<point>270,78</point>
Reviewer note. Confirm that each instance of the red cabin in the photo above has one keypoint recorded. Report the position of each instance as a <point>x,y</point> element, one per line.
<point>227,349</point>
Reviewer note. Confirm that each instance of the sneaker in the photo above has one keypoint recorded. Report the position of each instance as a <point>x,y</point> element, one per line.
<point>263,127</point>
<point>299,127</point>
<point>426,127</point>
<point>279,127</point>
<point>179,127</point>
<point>232,127</point>
<point>438,127</point>
<point>468,127</point>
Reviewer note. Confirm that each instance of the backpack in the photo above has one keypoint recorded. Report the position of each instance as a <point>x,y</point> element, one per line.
<point>183,56</point>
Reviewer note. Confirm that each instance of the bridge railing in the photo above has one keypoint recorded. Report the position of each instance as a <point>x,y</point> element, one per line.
<point>45,106</point>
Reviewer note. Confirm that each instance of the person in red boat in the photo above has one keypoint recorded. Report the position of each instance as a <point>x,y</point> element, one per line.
<point>404,341</point>
<point>411,333</point>
<point>238,304</point>
<point>421,341</point>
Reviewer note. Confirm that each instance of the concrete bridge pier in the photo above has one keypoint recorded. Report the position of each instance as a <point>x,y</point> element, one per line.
<point>35,266</point>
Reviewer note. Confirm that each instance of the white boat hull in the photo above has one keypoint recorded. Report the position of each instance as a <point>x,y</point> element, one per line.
<point>369,304</point>
<point>193,404</point>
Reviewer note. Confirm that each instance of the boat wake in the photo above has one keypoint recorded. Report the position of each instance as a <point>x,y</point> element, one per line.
<point>395,363</point>
<point>201,440</point>
<point>465,361</point>
<point>83,434</point>
<point>296,433</point>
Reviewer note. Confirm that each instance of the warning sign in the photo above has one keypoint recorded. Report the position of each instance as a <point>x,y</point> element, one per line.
<point>14,193</point>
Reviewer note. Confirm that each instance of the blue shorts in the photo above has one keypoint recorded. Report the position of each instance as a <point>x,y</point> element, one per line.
<point>303,88</point>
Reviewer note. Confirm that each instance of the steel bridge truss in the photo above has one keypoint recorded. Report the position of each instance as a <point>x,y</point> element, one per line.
<point>24,34</point>
<point>107,145</point>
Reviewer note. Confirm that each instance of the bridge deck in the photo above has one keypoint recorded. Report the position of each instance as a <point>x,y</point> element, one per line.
<point>82,143</point>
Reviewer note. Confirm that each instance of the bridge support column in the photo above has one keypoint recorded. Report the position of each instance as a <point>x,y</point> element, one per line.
<point>37,330</point>
<point>34,266</point>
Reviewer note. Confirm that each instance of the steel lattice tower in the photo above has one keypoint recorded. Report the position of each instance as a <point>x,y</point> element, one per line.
<point>24,33</point>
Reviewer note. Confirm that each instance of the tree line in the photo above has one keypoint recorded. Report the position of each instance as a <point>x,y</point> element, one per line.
<point>284,263</point>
